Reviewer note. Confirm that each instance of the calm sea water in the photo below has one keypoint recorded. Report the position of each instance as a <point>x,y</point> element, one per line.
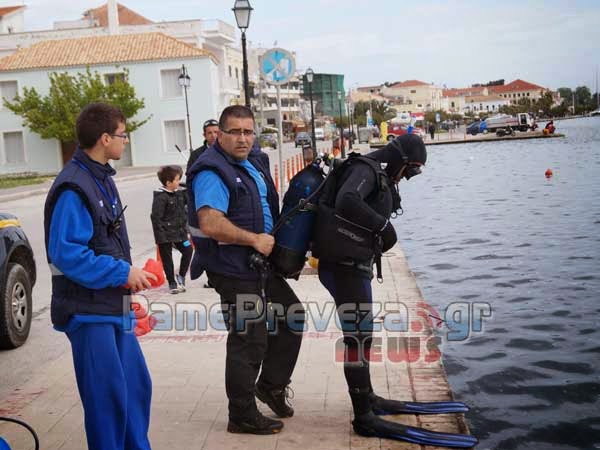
<point>483,224</point>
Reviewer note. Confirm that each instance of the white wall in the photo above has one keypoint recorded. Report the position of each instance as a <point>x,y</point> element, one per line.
<point>12,22</point>
<point>148,142</point>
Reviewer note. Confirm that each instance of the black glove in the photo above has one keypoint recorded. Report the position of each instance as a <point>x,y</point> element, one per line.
<point>388,235</point>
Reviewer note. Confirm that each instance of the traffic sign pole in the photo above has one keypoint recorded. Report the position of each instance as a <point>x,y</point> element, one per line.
<point>280,137</point>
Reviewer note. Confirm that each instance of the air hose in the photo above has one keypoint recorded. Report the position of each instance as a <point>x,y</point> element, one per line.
<point>4,444</point>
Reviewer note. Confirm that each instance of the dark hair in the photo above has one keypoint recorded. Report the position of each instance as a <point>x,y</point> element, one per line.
<point>210,123</point>
<point>96,119</point>
<point>168,173</point>
<point>237,111</point>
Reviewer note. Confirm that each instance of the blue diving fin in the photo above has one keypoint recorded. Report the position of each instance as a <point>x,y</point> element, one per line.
<point>370,425</point>
<point>382,406</point>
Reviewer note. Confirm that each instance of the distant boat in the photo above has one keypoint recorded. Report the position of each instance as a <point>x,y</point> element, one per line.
<point>595,113</point>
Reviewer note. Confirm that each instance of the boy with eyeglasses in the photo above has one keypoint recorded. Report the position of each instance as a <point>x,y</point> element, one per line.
<point>88,250</point>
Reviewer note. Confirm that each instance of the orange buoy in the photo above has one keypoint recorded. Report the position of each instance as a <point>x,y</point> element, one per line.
<point>549,173</point>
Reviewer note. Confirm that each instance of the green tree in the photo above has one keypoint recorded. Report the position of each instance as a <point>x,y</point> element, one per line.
<point>54,115</point>
<point>545,103</point>
<point>566,94</point>
<point>381,112</point>
<point>583,99</point>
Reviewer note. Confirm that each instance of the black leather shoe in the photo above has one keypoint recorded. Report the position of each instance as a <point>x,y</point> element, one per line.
<point>258,424</point>
<point>276,399</point>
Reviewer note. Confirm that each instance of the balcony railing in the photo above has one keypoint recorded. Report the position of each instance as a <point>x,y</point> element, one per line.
<point>218,26</point>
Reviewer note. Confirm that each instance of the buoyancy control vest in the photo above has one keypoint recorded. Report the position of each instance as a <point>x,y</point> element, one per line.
<point>339,239</point>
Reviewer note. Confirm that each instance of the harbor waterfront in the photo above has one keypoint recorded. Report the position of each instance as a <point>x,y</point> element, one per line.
<point>484,225</point>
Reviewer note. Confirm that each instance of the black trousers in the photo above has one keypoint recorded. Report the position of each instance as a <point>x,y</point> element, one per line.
<point>352,293</point>
<point>251,347</point>
<point>166,255</point>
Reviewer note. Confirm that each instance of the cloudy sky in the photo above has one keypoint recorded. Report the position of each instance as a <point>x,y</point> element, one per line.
<point>552,43</point>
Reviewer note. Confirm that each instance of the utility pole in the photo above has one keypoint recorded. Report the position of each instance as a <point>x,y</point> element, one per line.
<point>597,95</point>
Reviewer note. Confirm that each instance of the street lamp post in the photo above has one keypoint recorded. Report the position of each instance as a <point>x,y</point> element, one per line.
<point>339,95</point>
<point>184,81</point>
<point>242,11</point>
<point>350,124</point>
<point>309,78</point>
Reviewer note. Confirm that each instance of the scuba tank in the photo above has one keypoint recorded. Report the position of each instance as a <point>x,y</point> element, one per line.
<point>294,230</point>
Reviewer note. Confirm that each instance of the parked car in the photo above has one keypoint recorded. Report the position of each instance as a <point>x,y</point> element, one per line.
<point>396,129</point>
<point>447,125</point>
<point>17,277</point>
<point>302,138</point>
<point>477,127</point>
<point>267,140</point>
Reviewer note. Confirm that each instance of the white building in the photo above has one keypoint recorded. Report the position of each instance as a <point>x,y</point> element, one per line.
<point>153,61</point>
<point>484,103</point>
<point>215,36</point>
<point>11,19</point>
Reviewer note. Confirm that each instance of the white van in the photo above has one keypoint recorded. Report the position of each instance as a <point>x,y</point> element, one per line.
<point>319,134</point>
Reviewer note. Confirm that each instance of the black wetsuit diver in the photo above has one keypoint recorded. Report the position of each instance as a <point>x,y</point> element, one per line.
<point>352,232</point>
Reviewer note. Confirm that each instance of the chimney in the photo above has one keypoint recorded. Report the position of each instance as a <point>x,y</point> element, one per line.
<point>113,17</point>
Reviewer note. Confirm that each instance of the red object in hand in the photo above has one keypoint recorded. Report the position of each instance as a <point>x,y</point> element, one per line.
<point>144,323</point>
<point>155,268</point>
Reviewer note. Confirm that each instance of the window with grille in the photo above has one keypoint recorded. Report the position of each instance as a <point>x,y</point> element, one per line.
<point>175,135</point>
<point>169,80</point>
<point>14,151</point>
<point>8,91</point>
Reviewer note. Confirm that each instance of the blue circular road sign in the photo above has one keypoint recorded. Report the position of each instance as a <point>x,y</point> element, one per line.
<point>277,66</point>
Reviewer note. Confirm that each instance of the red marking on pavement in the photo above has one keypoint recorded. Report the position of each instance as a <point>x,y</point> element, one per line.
<point>17,400</point>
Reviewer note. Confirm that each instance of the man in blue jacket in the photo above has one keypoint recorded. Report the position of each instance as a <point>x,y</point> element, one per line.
<point>236,205</point>
<point>88,251</point>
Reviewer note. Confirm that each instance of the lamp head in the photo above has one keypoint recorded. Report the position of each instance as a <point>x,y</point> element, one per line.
<point>184,79</point>
<point>309,75</point>
<point>242,11</point>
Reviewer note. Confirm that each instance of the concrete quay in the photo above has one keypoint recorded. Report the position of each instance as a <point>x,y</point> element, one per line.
<point>463,138</point>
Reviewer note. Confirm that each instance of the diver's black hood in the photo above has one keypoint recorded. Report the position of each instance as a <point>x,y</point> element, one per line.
<point>403,149</point>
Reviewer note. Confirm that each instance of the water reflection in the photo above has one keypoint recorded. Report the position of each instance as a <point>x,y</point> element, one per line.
<point>530,247</point>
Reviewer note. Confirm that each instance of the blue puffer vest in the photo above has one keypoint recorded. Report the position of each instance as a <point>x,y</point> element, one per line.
<point>245,211</point>
<point>68,297</point>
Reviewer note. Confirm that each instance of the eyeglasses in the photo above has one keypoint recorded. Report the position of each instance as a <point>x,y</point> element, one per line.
<point>210,123</point>
<point>122,136</point>
<point>237,132</point>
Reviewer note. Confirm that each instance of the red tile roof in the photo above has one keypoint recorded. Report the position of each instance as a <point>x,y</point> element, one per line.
<point>409,83</point>
<point>515,86</point>
<point>126,16</point>
<point>100,50</point>
<point>8,9</point>
<point>460,92</point>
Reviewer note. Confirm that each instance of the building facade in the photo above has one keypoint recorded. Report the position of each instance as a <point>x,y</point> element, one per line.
<point>215,36</point>
<point>328,94</point>
<point>153,62</point>
<point>413,95</point>
<point>517,90</point>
